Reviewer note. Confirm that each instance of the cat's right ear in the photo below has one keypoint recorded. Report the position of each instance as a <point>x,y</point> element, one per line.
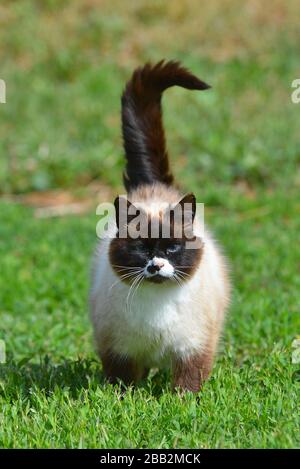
<point>122,205</point>
<point>188,201</point>
<point>125,211</point>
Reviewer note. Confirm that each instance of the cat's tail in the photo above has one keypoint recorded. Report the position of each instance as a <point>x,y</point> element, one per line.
<point>143,133</point>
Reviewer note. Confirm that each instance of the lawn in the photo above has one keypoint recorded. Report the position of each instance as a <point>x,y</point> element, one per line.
<point>236,146</point>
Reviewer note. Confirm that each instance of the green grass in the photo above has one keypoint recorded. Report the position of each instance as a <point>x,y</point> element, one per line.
<point>235,146</point>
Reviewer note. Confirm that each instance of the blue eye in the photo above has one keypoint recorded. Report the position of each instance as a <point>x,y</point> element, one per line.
<point>173,249</point>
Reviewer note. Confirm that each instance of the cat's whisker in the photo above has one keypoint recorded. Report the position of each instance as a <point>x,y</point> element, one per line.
<point>182,272</point>
<point>124,267</point>
<point>130,272</point>
<point>183,266</point>
<point>124,277</point>
<point>185,277</point>
<point>178,280</point>
<point>131,290</point>
<point>141,278</point>
<point>182,277</point>
<point>128,294</point>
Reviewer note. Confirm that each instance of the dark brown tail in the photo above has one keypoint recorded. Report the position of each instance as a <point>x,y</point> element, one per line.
<point>143,133</point>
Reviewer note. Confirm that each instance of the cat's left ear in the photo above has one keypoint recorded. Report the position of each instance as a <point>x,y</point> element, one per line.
<point>188,202</point>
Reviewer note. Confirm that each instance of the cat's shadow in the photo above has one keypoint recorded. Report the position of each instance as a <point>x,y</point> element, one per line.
<point>22,377</point>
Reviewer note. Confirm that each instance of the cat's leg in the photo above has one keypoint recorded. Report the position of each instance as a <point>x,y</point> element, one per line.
<point>145,373</point>
<point>190,373</point>
<point>117,367</point>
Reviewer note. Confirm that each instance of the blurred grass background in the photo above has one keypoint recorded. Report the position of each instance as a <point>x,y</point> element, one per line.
<point>236,146</point>
<point>66,62</point>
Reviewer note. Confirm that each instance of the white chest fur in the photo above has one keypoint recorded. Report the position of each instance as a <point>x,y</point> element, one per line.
<point>156,321</point>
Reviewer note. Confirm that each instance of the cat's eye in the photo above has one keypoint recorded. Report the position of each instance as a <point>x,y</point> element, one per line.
<point>173,249</point>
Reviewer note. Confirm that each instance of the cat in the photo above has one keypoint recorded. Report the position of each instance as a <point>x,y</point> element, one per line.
<point>154,301</point>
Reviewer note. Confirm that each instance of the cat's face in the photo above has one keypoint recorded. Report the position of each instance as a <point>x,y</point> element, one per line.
<point>155,259</point>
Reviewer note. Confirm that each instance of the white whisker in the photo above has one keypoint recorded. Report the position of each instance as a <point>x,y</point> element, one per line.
<point>125,276</point>
<point>130,291</point>
<point>141,278</point>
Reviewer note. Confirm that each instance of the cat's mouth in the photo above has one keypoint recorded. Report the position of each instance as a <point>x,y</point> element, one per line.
<point>157,278</point>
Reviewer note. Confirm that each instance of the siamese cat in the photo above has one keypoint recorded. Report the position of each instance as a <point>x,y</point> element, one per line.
<point>156,301</point>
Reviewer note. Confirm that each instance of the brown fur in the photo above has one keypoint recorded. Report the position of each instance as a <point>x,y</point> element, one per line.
<point>125,369</point>
<point>189,374</point>
<point>143,133</point>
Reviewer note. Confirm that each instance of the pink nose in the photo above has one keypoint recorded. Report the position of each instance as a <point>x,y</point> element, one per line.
<point>155,266</point>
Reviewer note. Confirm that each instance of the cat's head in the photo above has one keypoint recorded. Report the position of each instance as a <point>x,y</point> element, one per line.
<point>168,252</point>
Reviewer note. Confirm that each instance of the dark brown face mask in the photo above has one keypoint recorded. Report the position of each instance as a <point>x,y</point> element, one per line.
<point>137,252</point>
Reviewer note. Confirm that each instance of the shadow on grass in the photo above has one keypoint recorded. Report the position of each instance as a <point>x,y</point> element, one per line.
<point>20,379</point>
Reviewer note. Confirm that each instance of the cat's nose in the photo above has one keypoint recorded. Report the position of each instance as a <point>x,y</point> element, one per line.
<point>152,268</point>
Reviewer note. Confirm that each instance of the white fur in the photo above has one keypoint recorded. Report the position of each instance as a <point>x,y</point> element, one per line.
<point>159,321</point>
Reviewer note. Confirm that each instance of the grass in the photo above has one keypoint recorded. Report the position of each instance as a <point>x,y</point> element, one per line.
<point>235,146</point>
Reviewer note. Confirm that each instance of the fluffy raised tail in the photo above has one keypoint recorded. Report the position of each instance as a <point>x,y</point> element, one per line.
<point>143,133</point>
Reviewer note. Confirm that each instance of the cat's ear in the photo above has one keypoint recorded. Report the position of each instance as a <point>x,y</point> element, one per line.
<point>188,202</point>
<point>122,205</point>
<point>126,211</point>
